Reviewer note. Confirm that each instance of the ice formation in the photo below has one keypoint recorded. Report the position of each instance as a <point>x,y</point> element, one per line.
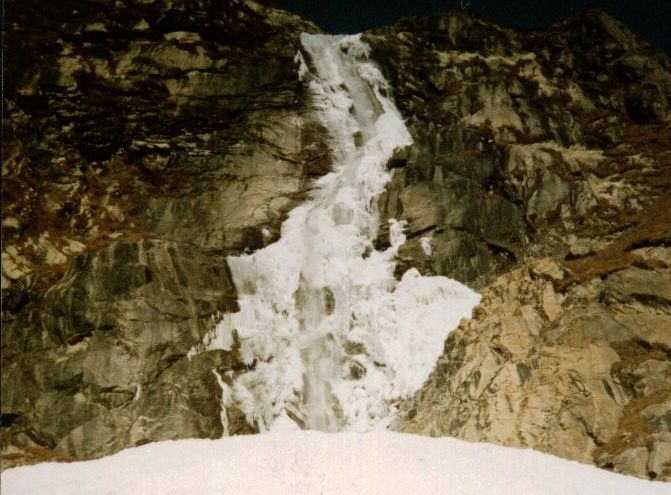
<point>331,339</point>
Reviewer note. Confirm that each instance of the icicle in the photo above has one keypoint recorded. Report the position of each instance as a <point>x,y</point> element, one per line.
<point>225,402</point>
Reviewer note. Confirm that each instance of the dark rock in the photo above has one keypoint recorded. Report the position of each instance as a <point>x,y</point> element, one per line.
<point>145,143</point>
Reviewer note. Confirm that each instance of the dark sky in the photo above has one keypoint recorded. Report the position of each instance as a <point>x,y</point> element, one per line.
<point>650,19</point>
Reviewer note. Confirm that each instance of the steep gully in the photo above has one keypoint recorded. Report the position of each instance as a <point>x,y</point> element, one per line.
<point>330,339</point>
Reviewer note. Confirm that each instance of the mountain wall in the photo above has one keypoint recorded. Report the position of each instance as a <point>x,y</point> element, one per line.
<point>148,140</point>
<point>541,174</point>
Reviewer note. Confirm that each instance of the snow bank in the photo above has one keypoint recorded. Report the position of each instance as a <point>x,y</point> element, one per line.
<point>310,462</point>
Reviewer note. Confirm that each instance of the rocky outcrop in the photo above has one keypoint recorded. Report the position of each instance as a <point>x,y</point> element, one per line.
<point>540,173</point>
<point>145,142</point>
<point>521,137</point>
<point>581,372</point>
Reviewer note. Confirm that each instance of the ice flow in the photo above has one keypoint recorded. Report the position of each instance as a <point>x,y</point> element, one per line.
<point>330,339</point>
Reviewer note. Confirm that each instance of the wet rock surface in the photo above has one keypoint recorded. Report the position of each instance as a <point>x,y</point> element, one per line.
<point>540,174</point>
<point>145,142</point>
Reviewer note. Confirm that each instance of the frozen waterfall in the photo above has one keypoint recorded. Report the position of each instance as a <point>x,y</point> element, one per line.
<point>332,341</point>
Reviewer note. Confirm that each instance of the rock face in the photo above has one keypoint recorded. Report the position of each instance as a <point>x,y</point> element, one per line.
<point>145,143</point>
<point>146,140</point>
<point>543,158</point>
<point>521,137</point>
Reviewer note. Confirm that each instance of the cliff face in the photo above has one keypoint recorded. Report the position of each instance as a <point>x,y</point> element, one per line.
<point>146,142</point>
<point>543,158</point>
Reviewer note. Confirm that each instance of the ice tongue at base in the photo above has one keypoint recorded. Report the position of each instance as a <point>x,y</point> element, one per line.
<point>330,339</point>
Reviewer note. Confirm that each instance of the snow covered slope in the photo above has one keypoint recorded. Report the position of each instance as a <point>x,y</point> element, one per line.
<point>310,462</point>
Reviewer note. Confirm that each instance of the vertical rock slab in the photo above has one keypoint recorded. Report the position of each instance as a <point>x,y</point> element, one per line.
<point>146,141</point>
